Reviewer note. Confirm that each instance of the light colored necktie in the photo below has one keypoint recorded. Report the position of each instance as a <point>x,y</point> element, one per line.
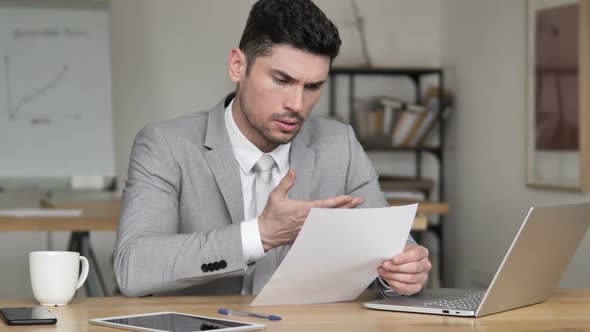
<point>265,266</point>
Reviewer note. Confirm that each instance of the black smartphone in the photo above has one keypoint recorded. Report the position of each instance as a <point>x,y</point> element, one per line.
<point>28,316</point>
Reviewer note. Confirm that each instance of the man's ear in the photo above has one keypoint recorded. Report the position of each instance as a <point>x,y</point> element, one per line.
<point>237,65</point>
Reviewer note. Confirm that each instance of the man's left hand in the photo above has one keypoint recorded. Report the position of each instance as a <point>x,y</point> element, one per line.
<point>406,272</point>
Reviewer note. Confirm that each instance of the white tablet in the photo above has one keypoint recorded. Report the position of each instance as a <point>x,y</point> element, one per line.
<point>174,322</point>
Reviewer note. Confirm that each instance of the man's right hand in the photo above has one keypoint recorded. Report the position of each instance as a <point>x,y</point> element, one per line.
<point>283,218</point>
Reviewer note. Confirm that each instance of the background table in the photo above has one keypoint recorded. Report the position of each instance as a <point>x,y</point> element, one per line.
<point>96,216</point>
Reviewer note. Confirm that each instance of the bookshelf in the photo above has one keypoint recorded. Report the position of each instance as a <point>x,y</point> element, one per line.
<point>416,76</point>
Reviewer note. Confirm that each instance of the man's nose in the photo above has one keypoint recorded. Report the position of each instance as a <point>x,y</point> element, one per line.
<point>294,101</point>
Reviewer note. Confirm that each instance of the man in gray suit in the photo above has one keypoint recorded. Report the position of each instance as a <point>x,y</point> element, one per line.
<point>214,199</point>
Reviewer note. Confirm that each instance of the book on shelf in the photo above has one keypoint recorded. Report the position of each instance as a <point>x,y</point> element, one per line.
<point>432,103</point>
<point>405,124</point>
<point>391,108</point>
<point>421,114</point>
<point>368,117</point>
<point>391,102</point>
<point>378,125</point>
<point>388,120</point>
<point>426,125</point>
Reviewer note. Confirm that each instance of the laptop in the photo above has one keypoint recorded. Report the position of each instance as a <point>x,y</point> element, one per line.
<point>530,271</point>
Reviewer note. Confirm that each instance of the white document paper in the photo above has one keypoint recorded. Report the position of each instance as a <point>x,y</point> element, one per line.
<point>336,255</point>
<point>34,212</point>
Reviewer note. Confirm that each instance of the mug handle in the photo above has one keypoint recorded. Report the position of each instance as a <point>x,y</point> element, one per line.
<point>84,273</point>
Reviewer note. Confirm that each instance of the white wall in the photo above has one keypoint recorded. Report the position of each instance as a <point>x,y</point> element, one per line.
<point>170,59</point>
<point>483,53</point>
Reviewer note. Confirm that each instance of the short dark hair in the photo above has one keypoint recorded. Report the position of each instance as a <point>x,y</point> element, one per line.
<point>299,23</point>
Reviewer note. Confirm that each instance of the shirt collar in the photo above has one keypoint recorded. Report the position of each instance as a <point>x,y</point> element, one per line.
<point>246,153</point>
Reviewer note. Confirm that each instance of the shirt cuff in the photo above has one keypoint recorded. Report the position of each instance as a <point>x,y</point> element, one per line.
<point>251,242</point>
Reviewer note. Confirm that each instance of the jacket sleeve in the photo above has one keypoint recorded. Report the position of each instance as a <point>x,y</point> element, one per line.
<point>150,255</point>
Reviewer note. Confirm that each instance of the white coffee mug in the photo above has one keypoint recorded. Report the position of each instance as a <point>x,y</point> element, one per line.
<point>55,276</point>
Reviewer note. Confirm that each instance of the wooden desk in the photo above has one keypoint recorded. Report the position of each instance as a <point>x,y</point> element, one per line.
<point>566,311</point>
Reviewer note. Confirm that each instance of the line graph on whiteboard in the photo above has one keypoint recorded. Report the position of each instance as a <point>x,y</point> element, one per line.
<point>18,106</point>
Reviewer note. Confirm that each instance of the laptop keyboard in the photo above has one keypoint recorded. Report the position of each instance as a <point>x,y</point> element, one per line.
<point>468,302</point>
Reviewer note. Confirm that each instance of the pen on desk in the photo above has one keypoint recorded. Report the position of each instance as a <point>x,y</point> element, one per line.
<point>250,314</point>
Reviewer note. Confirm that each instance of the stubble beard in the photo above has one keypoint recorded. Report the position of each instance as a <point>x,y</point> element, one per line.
<point>266,132</point>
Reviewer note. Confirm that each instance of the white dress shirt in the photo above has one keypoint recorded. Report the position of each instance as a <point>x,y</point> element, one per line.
<point>247,154</point>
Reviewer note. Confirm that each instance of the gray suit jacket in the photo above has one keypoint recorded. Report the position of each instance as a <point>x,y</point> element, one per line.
<point>182,203</point>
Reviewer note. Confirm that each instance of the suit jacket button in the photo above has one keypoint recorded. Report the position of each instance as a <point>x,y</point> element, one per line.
<point>204,268</point>
<point>210,266</point>
<point>216,266</point>
<point>222,264</point>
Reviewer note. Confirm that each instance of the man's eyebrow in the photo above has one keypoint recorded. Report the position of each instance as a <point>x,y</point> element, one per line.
<point>289,78</point>
<point>318,83</point>
<point>282,73</point>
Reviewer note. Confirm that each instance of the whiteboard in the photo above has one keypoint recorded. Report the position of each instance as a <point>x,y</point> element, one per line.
<point>55,89</point>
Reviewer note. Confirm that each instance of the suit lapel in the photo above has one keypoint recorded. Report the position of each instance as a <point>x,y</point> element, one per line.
<point>302,159</point>
<point>222,162</point>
